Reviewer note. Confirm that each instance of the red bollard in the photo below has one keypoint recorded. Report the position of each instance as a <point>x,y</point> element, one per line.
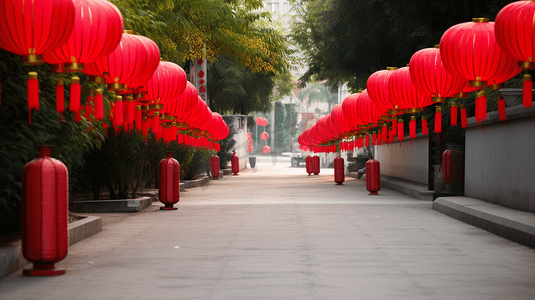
<point>214,166</point>
<point>316,165</point>
<point>447,165</point>
<point>45,213</point>
<point>308,165</point>
<point>235,163</point>
<point>169,191</point>
<point>373,176</point>
<point>339,176</point>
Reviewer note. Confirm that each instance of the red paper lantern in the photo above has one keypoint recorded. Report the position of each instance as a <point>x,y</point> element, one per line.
<point>368,112</point>
<point>169,189</point>
<point>45,201</point>
<point>469,50</point>
<point>264,136</point>
<point>377,86</point>
<point>430,76</point>
<point>167,83</point>
<point>31,28</point>
<point>266,149</point>
<point>98,31</point>
<point>152,54</point>
<point>350,110</point>
<point>404,93</point>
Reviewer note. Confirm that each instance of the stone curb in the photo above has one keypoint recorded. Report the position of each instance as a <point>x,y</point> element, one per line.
<point>111,206</point>
<point>11,258</point>
<point>413,189</point>
<point>517,226</point>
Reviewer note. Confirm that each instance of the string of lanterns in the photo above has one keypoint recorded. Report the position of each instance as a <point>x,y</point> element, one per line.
<point>471,56</point>
<point>149,94</point>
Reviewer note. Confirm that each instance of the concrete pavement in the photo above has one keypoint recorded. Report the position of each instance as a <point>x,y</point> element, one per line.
<point>276,233</point>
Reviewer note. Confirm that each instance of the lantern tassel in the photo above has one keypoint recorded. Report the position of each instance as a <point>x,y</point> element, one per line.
<point>60,98</point>
<point>74,95</point>
<point>527,92</point>
<point>464,118</point>
<point>385,133</point>
<point>367,139</point>
<point>33,94</point>
<point>453,114</point>
<point>401,131</point>
<point>374,138</point>
<point>155,123</point>
<point>412,128</point>
<point>481,106</point>
<point>425,128</point>
<point>438,120</point>
<point>99,105</point>
<point>139,118</point>
<point>118,112</point>
<point>501,109</point>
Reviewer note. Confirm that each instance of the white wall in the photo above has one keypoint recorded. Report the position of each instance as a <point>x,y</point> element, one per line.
<point>240,124</point>
<point>500,160</point>
<point>409,162</point>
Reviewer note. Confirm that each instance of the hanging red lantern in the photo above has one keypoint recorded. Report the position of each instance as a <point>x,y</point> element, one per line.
<point>169,189</point>
<point>464,118</point>
<point>368,112</point>
<point>98,31</point>
<point>266,149</point>
<point>264,136</point>
<point>350,110</point>
<point>431,77</point>
<point>45,213</point>
<point>438,120</point>
<point>33,94</point>
<point>425,127</point>
<point>412,127</point>
<point>515,35</point>
<point>469,50</point>
<point>152,57</point>
<point>377,86</point>
<point>167,83</point>
<point>404,93</point>
<point>31,28</point>
<point>453,113</point>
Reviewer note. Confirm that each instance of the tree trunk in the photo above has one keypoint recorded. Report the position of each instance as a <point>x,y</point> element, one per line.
<point>122,167</point>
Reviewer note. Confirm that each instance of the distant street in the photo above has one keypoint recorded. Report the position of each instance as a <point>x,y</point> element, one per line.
<point>275,233</point>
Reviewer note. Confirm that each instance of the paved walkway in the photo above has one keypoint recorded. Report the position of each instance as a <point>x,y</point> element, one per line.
<point>275,233</point>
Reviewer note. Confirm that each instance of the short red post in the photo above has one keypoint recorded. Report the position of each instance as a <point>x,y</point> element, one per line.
<point>316,165</point>
<point>235,161</point>
<point>308,165</point>
<point>169,191</point>
<point>373,176</point>
<point>214,166</point>
<point>339,176</point>
<point>45,213</point>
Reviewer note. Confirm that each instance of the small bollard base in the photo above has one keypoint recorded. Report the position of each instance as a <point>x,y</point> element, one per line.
<point>373,193</point>
<point>43,270</point>
<point>340,183</point>
<point>168,208</point>
<point>316,173</point>
<point>235,174</point>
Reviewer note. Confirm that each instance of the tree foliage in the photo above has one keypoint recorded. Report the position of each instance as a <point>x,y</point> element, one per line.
<point>345,41</point>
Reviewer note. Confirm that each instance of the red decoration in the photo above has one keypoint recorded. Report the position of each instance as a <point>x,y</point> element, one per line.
<point>339,176</point>
<point>401,131</point>
<point>235,162</point>
<point>264,136</point>
<point>412,127</point>
<point>404,93</point>
<point>350,110</point>
<point>214,166</point>
<point>31,28</point>
<point>118,112</point>
<point>464,118</point>
<point>453,113</point>
<point>316,164</point>
<point>33,94</point>
<point>373,176</point>
<point>98,31</point>
<point>99,105</point>
<point>501,108</point>
<point>149,53</point>
<point>266,149</point>
<point>438,120</point>
<point>138,118</point>
<point>202,89</point>
<point>169,189</point>
<point>201,81</point>
<point>527,92</point>
<point>368,112</point>
<point>60,98</point>
<point>481,106</point>
<point>201,74</point>
<point>377,86</point>
<point>425,127</point>
<point>447,165</point>
<point>45,201</point>
<point>167,83</point>
<point>74,95</point>
<point>367,140</point>
<point>431,77</point>
<point>469,50</point>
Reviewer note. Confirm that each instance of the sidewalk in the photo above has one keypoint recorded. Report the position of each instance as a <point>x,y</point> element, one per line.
<point>276,233</point>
